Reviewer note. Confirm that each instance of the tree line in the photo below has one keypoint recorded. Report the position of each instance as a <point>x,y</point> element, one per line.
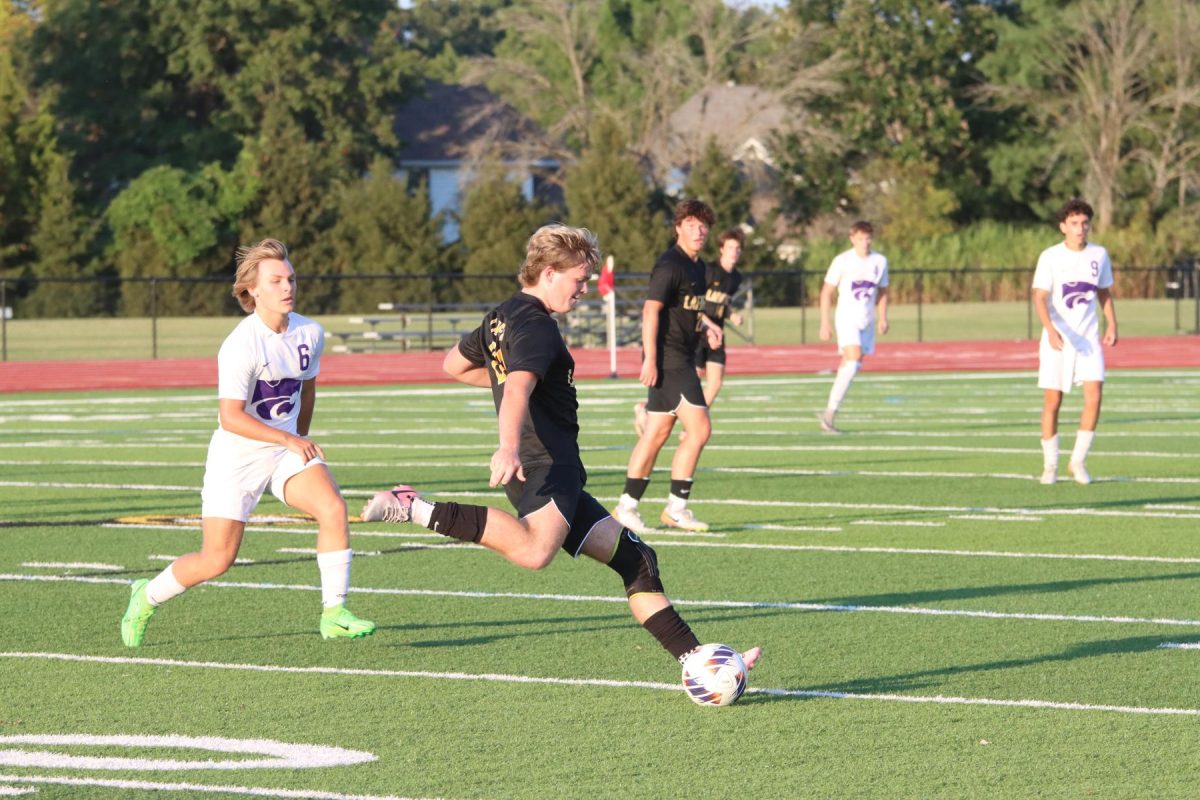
<point>148,138</point>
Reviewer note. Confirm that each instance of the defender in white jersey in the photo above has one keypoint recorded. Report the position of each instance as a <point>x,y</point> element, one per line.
<point>266,387</point>
<point>1071,280</point>
<point>859,277</point>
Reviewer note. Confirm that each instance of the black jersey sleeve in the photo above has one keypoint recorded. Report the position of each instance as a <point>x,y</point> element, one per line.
<point>736,282</point>
<point>472,347</point>
<point>664,283</point>
<point>533,346</point>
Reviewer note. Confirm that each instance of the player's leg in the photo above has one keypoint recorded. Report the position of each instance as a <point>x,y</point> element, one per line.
<point>851,348</point>
<point>697,423</point>
<point>314,491</point>
<point>714,376</point>
<point>660,419</point>
<point>1092,394</point>
<point>1051,403</point>
<point>607,541</point>
<point>221,539</point>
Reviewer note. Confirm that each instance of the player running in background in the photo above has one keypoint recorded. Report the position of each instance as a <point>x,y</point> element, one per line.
<point>519,353</point>
<point>266,388</point>
<point>859,276</point>
<point>723,279</point>
<point>672,324</point>
<point>1071,279</point>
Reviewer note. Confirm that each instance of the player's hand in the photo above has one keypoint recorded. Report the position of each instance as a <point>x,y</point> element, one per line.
<point>883,326</point>
<point>506,465</point>
<point>716,337</point>
<point>826,332</point>
<point>305,448</point>
<point>649,375</point>
<point>1055,338</point>
<point>735,318</point>
<point>1110,336</point>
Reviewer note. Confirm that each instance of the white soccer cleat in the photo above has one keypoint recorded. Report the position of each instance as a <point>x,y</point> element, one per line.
<point>1049,475</point>
<point>1079,472</point>
<point>683,519</point>
<point>392,505</point>
<point>826,421</point>
<point>631,519</point>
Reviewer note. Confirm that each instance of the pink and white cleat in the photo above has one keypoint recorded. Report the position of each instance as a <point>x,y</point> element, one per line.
<point>392,505</point>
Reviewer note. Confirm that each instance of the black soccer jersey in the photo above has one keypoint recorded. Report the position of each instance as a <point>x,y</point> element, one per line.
<point>519,335</point>
<point>721,286</point>
<point>678,283</point>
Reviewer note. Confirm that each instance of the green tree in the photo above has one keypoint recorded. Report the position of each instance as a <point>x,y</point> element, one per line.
<point>382,229</point>
<point>716,180</point>
<point>495,223</point>
<point>23,122</point>
<point>607,192</point>
<point>904,200</point>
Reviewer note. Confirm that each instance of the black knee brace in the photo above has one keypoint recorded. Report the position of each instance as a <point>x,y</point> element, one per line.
<point>636,563</point>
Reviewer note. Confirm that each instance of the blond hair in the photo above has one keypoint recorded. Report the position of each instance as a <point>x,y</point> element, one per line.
<point>248,259</point>
<point>560,247</point>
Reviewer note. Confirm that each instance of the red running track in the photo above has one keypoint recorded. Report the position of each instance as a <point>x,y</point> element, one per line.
<point>375,368</point>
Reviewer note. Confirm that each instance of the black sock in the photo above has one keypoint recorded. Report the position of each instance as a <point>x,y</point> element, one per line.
<point>672,632</point>
<point>636,487</point>
<point>681,489</point>
<point>458,521</point>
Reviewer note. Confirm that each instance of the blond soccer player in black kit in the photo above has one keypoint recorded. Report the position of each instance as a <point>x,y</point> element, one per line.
<point>519,353</point>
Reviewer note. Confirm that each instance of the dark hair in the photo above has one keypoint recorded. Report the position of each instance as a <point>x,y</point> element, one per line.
<point>1072,207</point>
<point>694,208</point>
<point>863,226</point>
<point>732,233</point>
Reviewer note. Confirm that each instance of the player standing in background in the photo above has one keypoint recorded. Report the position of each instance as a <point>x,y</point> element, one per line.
<point>1072,277</point>
<point>723,279</point>
<point>859,276</point>
<point>520,354</point>
<point>672,324</point>
<point>266,388</point>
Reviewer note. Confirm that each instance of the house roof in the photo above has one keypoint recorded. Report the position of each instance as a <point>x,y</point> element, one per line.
<point>741,118</point>
<point>455,122</point>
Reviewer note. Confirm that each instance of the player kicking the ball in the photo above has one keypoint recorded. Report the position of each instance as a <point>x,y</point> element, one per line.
<point>266,385</point>
<point>519,353</point>
<point>1072,278</point>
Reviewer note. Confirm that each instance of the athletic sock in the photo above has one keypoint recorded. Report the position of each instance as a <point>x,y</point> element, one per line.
<point>672,632</point>
<point>634,489</point>
<point>335,576</point>
<point>458,521</point>
<point>1050,451</point>
<point>422,510</point>
<point>681,491</point>
<point>841,385</point>
<point>1083,443</point>
<point>163,587</point>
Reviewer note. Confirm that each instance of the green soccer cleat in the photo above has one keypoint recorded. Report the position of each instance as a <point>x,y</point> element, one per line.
<point>338,623</point>
<point>137,615</point>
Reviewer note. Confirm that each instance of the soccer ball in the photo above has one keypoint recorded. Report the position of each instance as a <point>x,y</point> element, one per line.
<point>714,675</point>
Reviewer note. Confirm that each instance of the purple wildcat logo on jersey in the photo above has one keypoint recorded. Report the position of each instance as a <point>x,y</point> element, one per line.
<point>862,290</point>
<point>275,400</point>
<point>1078,292</point>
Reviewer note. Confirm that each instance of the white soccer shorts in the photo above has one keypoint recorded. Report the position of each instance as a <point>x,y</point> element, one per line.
<point>235,477</point>
<point>850,335</point>
<point>1061,369</point>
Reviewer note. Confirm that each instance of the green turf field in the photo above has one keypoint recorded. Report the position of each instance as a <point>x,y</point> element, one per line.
<point>936,624</point>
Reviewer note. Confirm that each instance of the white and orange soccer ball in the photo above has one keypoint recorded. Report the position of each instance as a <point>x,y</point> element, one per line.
<point>714,675</point>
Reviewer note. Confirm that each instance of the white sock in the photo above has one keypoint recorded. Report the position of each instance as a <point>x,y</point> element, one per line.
<point>1050,451</point>
<point>1083,443</point>
<point>627,502</point>
<point>675,504</point>
<point>422,510</point>
<point>841,385</point>
<point>163,587</point>
<point>335,576</point>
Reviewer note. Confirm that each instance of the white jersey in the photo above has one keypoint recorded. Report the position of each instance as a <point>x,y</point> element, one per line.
<point>1072,279</point>
<point>858,281</point>
<point>265,369</point>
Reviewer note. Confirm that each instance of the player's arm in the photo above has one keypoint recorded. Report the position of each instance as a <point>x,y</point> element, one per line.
<point>463,370</point>
<point>514,408</point>
<point>308,402</point>
<point>650,315</point>
<point>235,420</point>
<point>1110,316</point>
<point>881,306</point>
<point>1041,305</point>
<point>714,332</point>
<point>827,292</point>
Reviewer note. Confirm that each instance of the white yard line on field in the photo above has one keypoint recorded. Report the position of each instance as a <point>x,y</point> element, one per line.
<point>605,683</point>
<point>174,786</point>
<point>71,565</point>
<point>570,598</point>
